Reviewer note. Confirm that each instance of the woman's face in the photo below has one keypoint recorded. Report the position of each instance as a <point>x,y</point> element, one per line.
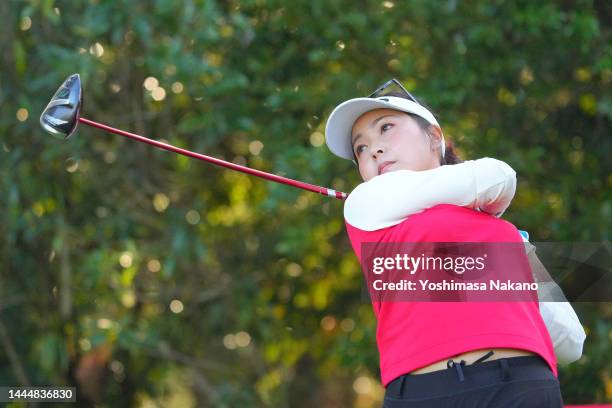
<point>388,140</point>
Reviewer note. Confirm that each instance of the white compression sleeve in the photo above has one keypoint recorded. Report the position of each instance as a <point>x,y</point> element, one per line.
<point>485,184</point>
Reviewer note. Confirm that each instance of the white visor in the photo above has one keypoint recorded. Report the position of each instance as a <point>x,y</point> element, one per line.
<point>340,123</point>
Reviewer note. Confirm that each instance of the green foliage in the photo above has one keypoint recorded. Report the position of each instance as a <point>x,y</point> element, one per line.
<point>139,275</point>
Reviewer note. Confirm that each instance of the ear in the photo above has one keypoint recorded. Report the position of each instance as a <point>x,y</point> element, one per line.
<point>435,136</point>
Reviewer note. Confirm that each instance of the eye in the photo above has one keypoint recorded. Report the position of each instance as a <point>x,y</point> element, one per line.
<point>359,149</point>
<point>386,127</point>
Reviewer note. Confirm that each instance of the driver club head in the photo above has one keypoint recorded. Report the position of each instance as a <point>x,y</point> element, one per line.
<point>61,116</point>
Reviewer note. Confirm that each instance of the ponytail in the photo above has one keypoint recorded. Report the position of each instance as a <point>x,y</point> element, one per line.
<point>450,155</point>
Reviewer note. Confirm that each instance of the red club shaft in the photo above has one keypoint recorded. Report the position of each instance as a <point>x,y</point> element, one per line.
<point>268,176</point>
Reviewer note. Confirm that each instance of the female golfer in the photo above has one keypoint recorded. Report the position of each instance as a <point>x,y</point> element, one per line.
<point>439,353</point>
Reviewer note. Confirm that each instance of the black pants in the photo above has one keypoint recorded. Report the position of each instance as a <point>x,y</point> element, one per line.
<point>525,381</point>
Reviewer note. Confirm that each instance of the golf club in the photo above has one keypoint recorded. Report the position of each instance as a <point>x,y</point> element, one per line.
<point>62,116</point>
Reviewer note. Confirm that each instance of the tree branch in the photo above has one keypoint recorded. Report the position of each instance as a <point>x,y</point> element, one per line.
<point>18,369</point>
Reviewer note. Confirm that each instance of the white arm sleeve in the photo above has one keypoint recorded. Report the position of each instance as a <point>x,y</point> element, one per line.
<point>566,332</point>
<point>485,184</point>
<point>564,327</point>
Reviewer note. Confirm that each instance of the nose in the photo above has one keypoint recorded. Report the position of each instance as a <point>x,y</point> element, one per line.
<point>377,151</point>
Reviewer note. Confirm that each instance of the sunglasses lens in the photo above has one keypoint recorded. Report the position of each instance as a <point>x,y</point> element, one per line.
<point>392,88</point>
